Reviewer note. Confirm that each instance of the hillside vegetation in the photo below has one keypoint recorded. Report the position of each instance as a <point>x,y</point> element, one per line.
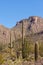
<point>12,49</point>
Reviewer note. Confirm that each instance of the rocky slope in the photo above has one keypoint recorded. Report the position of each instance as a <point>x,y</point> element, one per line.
<point>4,34</point>
<point>31,26</point>
<point>33,31</point>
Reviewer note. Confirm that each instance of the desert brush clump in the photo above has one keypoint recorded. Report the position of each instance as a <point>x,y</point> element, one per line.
<point>2,47</point>
<point>28,48</point>
<point>1,59</point>
<point>41,49</point>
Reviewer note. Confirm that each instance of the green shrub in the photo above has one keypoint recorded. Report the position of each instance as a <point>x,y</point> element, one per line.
<point>1,59</point>
<point>41,49</point>
<point>28,48</point>
<point>2,47</point>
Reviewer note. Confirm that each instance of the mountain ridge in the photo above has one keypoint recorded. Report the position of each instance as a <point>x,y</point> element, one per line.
<point>31,25</point>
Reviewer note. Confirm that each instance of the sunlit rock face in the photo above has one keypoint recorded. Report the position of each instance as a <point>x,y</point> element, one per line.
<point>4,35</point>
<point>36,24</point>
<point>31,25</point>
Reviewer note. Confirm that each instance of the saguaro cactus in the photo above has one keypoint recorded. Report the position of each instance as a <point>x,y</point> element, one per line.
<point>22,41</point>
<point>24,44</point>
<point>36,51</point>
<point>10,44</point>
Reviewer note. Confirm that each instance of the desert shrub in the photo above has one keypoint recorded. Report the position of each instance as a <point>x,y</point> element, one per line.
<point>1,59</point>
<point>18,47</point>
<point>41,49</point>
<point>28,48</point>
<point>18,62</point>
<point>2,47</point>
<point>8,62</point>
<point>19,44</point>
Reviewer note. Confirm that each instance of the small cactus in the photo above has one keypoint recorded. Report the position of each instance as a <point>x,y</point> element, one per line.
<point>36,51</point>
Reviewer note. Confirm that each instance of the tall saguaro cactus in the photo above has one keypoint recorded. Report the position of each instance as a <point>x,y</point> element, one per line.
<point>36,51</point>
<point>10,44</point>
<point>22,41</point>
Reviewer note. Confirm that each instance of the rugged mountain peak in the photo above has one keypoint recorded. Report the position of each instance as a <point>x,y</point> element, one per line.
<point>36,24</point>
<point>31,25</point>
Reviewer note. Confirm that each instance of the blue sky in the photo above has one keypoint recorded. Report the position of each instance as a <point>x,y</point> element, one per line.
<point>12,11</point>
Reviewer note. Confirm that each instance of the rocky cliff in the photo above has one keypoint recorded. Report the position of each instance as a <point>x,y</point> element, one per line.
<point>33,26</point>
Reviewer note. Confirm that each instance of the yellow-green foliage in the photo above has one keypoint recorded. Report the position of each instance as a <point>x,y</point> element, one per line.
<point>1,59</point>
<point>18,62</point>
<point>28,48</point>
<point>41,49</point>
<point>8,62</point>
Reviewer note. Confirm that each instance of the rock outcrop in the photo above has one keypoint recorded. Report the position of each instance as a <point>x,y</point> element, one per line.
<point>31,26</point>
